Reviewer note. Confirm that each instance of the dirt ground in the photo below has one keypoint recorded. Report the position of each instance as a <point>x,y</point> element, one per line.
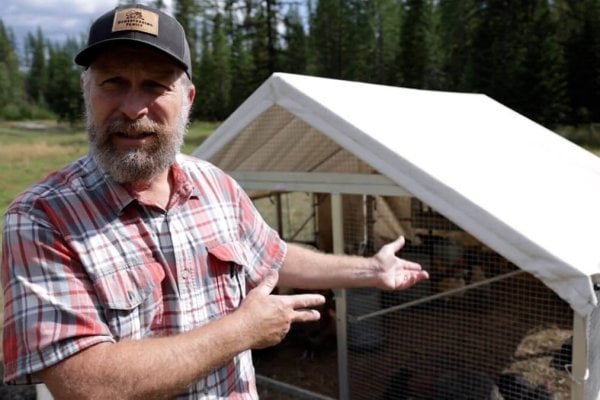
<point>289,363</point>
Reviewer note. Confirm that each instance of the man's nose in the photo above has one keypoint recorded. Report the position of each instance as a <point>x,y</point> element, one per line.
<point>134,104</point>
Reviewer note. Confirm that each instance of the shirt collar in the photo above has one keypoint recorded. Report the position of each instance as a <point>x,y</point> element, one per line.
<point>183,187</point>
<point>118,197</point>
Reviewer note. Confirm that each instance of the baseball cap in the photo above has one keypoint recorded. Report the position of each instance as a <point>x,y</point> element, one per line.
<point>138,24</point>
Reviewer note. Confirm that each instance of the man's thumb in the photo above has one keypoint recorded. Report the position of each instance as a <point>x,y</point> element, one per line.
<point>269,283</point>
<point>398,244</point>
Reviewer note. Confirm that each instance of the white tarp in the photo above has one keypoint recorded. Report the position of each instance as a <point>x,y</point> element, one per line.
<point>521,189</point>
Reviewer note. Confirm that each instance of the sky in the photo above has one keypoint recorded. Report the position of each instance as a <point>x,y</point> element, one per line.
<point>58,19</point>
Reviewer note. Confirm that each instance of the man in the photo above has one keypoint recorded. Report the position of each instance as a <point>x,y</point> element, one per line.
<point>138,272</point>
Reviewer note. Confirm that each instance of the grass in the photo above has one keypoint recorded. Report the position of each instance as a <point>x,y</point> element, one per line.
<point>30,151</point>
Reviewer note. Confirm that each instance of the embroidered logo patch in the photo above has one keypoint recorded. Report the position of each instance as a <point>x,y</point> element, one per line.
<point>136,19</point>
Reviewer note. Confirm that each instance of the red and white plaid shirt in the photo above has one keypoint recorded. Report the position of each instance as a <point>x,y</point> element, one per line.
<point>84,262</point>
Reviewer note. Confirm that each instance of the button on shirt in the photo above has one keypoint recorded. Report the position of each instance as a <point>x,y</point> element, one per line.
<point>84,262</point>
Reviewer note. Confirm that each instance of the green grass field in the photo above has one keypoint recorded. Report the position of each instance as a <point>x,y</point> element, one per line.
<point>30,151</point>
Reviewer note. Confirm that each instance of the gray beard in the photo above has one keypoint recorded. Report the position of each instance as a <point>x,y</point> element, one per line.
<point>139,164</point>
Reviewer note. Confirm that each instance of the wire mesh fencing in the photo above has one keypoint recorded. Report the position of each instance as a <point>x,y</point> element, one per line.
<point>479,328</point>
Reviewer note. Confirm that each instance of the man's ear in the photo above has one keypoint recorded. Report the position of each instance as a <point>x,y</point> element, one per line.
<point>191,94</point>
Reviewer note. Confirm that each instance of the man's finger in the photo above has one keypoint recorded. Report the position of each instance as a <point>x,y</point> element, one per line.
<point>410,265</point>
<point>302,305</point>
<point>302,301</point>
<point>306,316</point>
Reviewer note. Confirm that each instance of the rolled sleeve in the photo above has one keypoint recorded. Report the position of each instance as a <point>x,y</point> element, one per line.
<point>266,249</point>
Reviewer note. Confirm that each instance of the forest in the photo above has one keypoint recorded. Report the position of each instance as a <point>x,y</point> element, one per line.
<point>538,57</point>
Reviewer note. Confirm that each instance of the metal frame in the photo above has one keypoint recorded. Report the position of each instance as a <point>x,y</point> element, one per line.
<point>319,182</point>
<point>337,221</point>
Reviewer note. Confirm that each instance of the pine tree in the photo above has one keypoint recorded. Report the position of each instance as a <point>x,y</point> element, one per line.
<point>11,86</point>
<point>499,49</point>
<point>35,82</point>
<point>258,30</point>
<point>62,91</point>
<point>542,82</point>
<point>242,65</point>
<point>387,18</point>
<point>457,23</point>
<point>582,50</point>
<point>221,84</point>
<point>413,53</point>
<point>186,12</point>
<point>329,29</point>
<point>294,55</point>
<point>203,76</point>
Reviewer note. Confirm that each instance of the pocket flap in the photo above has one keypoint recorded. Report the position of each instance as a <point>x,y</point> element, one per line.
<point>236,252</point>
<point>127,288</point>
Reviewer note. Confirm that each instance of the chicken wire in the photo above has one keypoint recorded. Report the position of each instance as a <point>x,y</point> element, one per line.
<point>479,328</point>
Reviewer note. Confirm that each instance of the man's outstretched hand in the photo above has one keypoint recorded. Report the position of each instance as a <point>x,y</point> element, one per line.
<point>396,273</point>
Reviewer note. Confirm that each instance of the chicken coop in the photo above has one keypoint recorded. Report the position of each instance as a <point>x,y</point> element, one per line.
<point>500,211</point>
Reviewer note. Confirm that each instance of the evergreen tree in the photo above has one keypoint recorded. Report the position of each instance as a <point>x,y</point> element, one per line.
<point>413,53</point>
<point>270,15</point>
<point>258,29</point>
<point>360,56</point>
<point>512,51</point>
<point>204,76</point>
<point>11,86</point>
<point>35,83</point>
<point>294,55</point>
<point>186,12</point>
<point>387,15</point>
<point>457,23</point>
<point>329,28</point>
<point>242,65</point>
<point>62,92</point>
<point>221,58</point>
<point>542,82</point>
<point>219,82</point>
<point>517,58</point>
<point>582,50</point>
<point>499,49</point>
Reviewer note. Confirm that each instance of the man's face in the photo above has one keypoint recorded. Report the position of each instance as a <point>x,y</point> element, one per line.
<point>137,112</point>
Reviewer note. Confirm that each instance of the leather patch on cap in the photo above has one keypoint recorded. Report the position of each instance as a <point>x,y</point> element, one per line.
<point>136,19</point>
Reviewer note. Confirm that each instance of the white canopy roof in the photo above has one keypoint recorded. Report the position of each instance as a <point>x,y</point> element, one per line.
<point>521,189</point>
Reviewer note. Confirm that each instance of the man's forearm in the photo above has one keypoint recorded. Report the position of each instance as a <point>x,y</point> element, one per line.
<point>311,269</point>
<point>308,269</point>
<point>149,368</point>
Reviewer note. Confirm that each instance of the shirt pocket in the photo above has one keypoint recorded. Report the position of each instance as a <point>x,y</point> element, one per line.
<point>227,265</point>
<point>132,299</point>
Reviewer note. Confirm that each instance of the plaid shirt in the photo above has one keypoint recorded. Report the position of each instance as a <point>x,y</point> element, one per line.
<point>84,262</point>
